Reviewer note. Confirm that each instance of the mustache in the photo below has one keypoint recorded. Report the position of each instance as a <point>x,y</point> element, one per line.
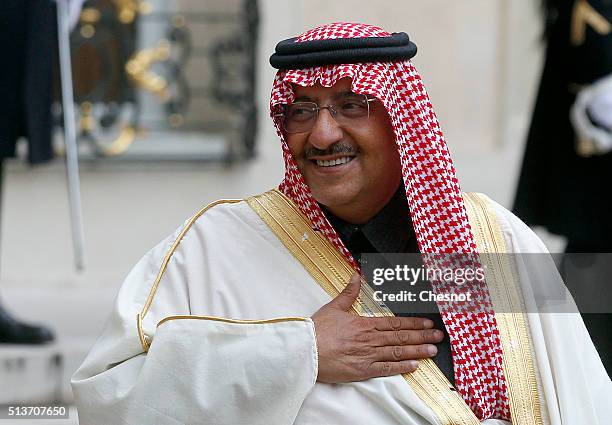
<point>332,150</point>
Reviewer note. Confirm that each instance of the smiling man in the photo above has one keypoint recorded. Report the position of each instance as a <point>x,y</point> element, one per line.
<point>345,151</point>
<point>253,312</point>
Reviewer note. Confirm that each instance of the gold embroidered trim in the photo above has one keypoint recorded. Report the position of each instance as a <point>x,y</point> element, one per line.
<point>235,321</point>
<point>329,268</point>
<point>506,296</point>
<point>140,316</point>
<point>332,272</point>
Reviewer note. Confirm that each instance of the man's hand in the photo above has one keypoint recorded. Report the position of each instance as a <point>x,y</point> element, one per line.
<point>353,348</point>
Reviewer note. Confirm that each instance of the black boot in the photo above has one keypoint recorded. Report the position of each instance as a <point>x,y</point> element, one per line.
<point>15,332</point>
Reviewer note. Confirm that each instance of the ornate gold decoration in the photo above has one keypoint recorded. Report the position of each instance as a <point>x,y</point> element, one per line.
<point>138,69</point>
<point>128,9</point>
<point>88,30</point>
<point>89,15</point>
<point>585,15</point>
<point>87,123</point>
<point>121,143</point>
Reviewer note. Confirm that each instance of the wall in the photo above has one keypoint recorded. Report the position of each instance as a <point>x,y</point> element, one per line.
<point>478,58</point>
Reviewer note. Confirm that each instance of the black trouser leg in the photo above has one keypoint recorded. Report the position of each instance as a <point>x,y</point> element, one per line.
<point>13,331</point>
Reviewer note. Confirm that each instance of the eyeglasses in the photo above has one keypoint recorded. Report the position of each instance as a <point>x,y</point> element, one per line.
<point>300,117</point>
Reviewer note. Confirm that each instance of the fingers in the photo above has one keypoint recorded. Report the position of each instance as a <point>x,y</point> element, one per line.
<point>405,352</point>
<point>349,294</point>
<point>398,323</point>
<point>385,368</point>
<point>406,337</point>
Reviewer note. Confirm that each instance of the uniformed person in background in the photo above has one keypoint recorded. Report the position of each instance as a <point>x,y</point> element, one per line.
<point>567,168</point>
<point>28,38</point>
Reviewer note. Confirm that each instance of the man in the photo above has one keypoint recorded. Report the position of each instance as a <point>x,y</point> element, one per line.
<point>229,321</point>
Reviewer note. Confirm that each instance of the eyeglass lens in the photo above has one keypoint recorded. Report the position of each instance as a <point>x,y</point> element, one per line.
<point>301,116</point>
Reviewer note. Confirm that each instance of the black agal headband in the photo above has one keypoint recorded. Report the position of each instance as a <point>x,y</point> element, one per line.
<point>290,54</point>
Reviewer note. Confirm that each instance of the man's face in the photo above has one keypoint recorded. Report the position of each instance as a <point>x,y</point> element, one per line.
<point>355,190</point>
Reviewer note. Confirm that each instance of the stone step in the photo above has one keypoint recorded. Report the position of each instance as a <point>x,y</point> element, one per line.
<point>41,374</point>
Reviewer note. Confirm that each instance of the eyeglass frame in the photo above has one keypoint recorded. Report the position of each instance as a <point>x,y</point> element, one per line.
<point>332,111</point>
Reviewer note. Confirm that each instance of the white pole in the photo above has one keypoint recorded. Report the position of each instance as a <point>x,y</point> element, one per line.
<point>72,160</point>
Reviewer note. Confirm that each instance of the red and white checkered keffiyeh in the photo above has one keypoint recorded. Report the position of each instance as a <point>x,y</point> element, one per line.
<point>436,206</point>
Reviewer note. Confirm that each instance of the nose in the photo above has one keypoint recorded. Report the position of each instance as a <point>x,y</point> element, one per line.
<point>325,131</point>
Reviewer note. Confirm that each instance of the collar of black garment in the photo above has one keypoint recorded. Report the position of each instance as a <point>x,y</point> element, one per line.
<point>388,231</point>
<point>391,231</point>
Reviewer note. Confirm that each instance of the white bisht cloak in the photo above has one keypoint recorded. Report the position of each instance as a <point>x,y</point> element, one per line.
<point>237,345</point>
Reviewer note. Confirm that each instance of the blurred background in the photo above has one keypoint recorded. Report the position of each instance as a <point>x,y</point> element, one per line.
<point>170,103</point>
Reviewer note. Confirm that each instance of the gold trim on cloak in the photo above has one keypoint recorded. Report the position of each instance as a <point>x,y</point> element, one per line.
<point>505,293</point>
<point>234,321</point>
<point>162,269</point>
<point>331,270</point>
<point>146,342</point>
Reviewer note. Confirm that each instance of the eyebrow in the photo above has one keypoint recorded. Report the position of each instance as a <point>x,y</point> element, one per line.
<point>342,94</point>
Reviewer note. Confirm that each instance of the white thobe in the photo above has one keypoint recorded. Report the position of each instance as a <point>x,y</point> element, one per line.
<point>205,370</point>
